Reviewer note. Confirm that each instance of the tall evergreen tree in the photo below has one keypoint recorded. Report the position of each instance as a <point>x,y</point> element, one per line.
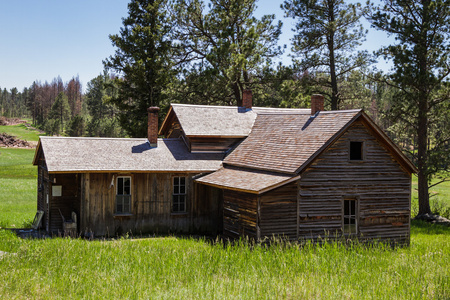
<point>421,76</point>
<point>142,60</point>
<point>224,47</point>
<point>327,34</point>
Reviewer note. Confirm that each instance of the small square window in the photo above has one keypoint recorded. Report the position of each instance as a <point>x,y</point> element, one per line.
<point>356,150</point>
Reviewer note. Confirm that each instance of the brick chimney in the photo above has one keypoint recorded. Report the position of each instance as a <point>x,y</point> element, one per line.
<point>247,99</point>
<point>317,102</point>
<point>152,128</point>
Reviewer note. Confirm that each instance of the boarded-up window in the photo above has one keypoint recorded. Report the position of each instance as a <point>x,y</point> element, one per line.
<point>179,194</point>
<point>123,196</point>
<point>350,216</point>
<point>356,150</point>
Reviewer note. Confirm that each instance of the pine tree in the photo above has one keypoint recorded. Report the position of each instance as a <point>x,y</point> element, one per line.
<point>223,48</point>
<point>327,34</point>
<point>142,60</point>
<point>421,58</point>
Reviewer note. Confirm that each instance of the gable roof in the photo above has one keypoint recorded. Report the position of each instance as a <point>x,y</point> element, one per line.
<point>287,143</point>
<point>223,121</point>
<point>82,155</point>
<point>284,142</point>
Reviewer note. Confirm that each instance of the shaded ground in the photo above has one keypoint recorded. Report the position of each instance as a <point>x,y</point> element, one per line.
<point>26,233</point>
<point>434,219</point>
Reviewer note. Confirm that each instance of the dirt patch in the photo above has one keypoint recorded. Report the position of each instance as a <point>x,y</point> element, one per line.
<point>7,140</point>
<point>10,121</point>
<point>435,219</point>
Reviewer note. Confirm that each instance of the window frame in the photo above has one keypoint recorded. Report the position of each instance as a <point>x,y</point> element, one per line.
<point>354,199</point>
<point>363,148</point>
<point>178,195</point>
<point>123,212</point>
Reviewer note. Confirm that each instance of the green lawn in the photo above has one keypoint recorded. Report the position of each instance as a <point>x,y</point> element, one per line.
<point>22,132</point>
<point>18,186</point>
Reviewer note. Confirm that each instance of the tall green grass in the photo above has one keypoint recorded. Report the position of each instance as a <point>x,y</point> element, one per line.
<point>177,268</point>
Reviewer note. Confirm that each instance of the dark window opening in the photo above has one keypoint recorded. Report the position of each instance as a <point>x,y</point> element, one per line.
<point>179,194</point>
<point>356,150</point>
<point>123,195</point>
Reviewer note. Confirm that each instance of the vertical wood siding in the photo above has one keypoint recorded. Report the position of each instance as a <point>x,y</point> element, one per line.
<point>379,182</point>
<point>151,205</point>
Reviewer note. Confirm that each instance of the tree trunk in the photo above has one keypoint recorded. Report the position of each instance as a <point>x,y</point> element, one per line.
<point>334,86</point>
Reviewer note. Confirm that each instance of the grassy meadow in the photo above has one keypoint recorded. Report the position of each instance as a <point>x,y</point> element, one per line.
<point>22,132</point>
<point>187,268</point>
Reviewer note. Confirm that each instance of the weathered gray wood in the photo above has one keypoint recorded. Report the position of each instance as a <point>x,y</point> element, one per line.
<point>381,184</point>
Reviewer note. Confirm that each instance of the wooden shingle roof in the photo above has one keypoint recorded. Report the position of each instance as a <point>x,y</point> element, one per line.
<point>223,121</point>
<point>250,181</point>
<point>285,142</point>
<point>64,154</point>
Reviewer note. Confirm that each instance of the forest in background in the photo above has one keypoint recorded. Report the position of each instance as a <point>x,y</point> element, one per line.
<point>189,52</point>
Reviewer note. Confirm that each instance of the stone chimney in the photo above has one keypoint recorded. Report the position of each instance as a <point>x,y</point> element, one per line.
<point>247,99</point>
<point>317,102</point>
<point>152,128</point>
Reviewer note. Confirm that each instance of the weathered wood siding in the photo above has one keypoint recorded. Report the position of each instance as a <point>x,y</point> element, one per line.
<point>151,205</point>
<point>67,203</point>
<point>278,212</point>
<point>239,214</point>
<point>379,182</point>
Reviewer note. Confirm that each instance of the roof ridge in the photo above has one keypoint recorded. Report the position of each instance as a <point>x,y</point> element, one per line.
<point>236,107</point>
<point>90,138</point>
<point>307,112</point>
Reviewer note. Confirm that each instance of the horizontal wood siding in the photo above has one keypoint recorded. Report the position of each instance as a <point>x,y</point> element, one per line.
<point>278,212</point>
<point>378,181</point>
<point>239,214</point>
<point>151,206</point>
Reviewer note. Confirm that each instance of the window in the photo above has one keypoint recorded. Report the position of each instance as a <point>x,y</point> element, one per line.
<point>350,219</point>
<point>356,150</point>
<point>123,196</point>
<point>179,194</point>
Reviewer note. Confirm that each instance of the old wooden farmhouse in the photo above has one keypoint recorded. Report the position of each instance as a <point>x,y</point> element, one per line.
<point>236,171</point>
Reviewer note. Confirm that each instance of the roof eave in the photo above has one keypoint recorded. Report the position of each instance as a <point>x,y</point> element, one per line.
<point>163,125</point>
<point>256,192</point>
<point>36,156</point>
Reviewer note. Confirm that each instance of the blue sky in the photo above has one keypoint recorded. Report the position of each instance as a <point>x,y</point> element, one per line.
<point>43,39</point>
